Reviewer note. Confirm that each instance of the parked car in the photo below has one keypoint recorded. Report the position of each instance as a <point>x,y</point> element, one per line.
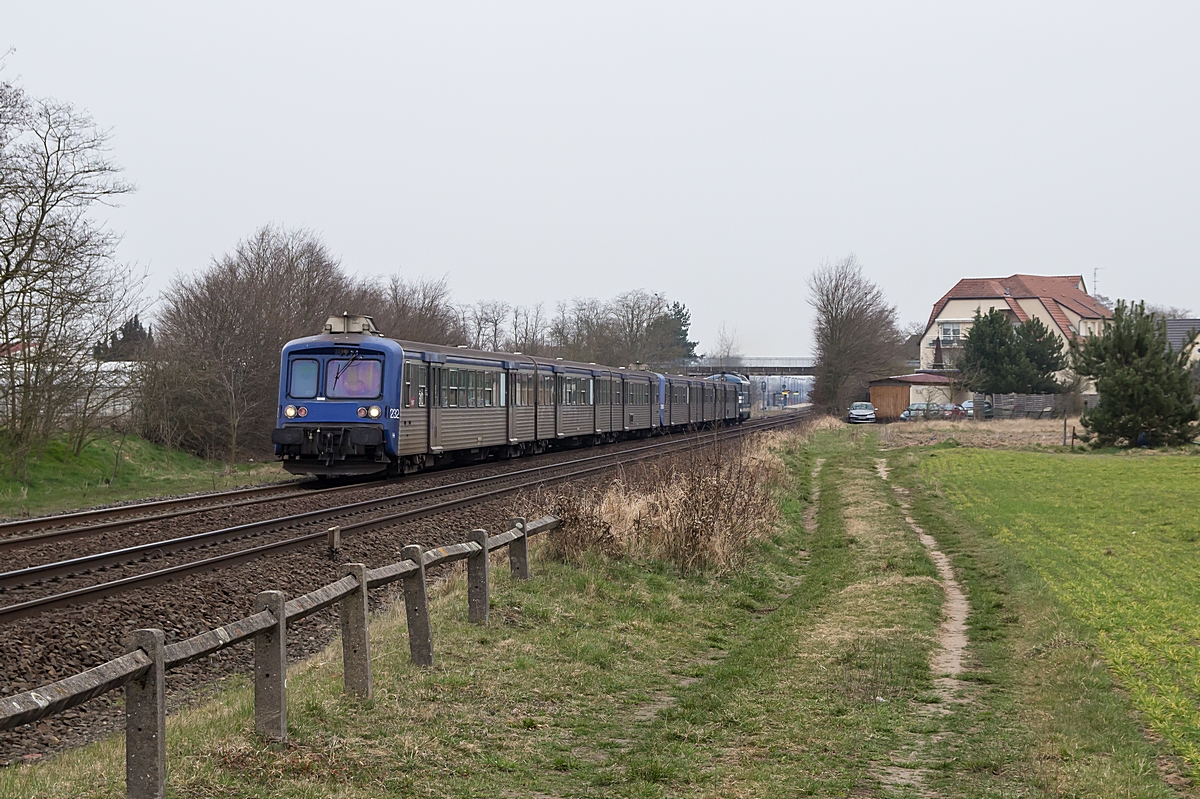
<point>861,412</point>
<point>969,407</point>
<point>921,410</point>
<point>952,411</point>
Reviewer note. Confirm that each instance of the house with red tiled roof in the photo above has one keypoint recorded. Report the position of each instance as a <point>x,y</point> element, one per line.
<point>1061,302</point>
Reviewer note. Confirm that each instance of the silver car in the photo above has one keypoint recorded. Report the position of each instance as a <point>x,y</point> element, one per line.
<point>861,412</point>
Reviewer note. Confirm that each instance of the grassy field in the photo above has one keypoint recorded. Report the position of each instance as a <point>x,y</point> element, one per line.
<point>112,470</point>
<point>806,673</point>
<point>1117,540</point>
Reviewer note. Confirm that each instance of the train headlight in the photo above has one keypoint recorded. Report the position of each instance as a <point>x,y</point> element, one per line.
<point>302,411</point>
<point>374,411</point>
<point>290,411</point>
<point>362,413</point>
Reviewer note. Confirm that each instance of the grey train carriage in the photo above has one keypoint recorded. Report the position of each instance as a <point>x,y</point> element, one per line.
<point>352,402</point>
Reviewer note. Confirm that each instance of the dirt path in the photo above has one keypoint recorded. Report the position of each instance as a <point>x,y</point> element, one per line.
<point>946,661</point>
<point>810,513</point>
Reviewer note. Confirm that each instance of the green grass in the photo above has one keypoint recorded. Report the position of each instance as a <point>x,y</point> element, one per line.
<point>616,678</point>
<point>1047,717</point>
<point>805,674</point>
<point>61,481</point>
<point>1115,540</point>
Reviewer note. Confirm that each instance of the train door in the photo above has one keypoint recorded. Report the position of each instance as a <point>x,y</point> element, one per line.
<point>624,403</point>
<point>508,388</point>
<point>437,392</point>
<point>536,400</point>
<point>559,422</point>
<point>596,394</point>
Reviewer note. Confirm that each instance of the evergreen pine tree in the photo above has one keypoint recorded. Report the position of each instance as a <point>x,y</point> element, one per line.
<point>1043,353</point>
<point>1147,393</point>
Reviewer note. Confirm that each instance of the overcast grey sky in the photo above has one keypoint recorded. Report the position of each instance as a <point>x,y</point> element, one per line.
<point>714,152</point>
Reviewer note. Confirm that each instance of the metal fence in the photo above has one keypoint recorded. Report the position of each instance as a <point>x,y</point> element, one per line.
<point>142,670</point>
<point>1038,406</point>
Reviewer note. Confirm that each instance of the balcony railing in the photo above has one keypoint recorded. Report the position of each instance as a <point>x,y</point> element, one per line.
<point>947,341</point>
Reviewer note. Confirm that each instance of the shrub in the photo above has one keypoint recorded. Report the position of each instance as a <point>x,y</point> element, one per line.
<point>698,511</point>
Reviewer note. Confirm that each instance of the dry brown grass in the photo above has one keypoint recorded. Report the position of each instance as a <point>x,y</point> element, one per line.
<point>991,434</point>
<point>697,511</point>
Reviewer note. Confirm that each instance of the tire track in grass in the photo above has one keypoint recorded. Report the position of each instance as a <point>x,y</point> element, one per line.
<point>946,661</point>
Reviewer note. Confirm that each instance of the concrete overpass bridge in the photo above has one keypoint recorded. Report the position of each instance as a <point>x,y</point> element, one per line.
<point>789,365</point>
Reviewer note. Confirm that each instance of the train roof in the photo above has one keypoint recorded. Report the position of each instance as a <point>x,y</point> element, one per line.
<point>728,377</point>
<point>444,353</point>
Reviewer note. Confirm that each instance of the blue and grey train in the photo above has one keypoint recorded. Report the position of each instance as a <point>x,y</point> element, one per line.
<point>353,402</point>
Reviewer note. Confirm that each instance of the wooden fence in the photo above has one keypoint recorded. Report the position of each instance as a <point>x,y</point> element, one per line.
<point>142,670</point>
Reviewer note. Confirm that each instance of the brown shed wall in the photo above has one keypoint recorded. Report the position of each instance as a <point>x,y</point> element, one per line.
<point>889,401</point>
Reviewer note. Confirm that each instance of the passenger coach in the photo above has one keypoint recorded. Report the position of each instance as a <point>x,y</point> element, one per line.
<point>354,402</point>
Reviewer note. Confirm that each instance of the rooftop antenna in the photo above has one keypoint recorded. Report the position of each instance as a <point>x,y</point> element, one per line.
<point>1095,276</point>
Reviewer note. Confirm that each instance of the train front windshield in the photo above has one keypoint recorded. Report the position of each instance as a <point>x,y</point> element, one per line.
<point>358,378</point>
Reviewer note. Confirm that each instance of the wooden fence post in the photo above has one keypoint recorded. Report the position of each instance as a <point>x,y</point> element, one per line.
<point>518,550</point>
<point>146,722</point>
<point>416,609</point>
<point>477,578</point>
<point>270,669</point>
<point>356,634</point>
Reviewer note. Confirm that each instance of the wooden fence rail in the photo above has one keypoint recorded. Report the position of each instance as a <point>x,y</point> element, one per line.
<point>142,669</point>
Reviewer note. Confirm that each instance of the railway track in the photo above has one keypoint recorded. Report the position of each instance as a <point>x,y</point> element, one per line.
<point>21,533</point>
<point>66,526</point>
<point>352,518</point>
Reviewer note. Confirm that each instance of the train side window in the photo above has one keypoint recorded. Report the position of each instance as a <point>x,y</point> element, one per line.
<point>489,389</point>
<point>304,378</point>
<point>470,386</point>
<point>454,387</point>
<point>422,384</point>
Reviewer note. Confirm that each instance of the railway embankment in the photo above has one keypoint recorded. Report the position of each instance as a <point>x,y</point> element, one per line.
<point>117,469</point>
<point>832,658</point>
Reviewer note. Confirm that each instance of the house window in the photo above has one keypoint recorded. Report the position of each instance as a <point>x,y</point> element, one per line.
<point>950,332</point>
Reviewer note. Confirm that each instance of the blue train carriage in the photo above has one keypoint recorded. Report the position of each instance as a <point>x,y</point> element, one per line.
<point>737,396</point>
<point>354,402</point>
<point>339,400</point>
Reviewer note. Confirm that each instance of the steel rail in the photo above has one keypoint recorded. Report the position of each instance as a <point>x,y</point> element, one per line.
<point>116,524</point>
<point>35,607</point>
<point>140,552</point>
<point>59,519</point>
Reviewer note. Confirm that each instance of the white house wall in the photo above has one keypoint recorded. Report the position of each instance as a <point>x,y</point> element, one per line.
<point>956,311</point>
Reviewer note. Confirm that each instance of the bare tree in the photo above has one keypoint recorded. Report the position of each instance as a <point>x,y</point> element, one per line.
<point>1169,311</point>
<point>487,319</point>
<point>529,329</point>
<point>728,347</point>
<point>633,327</point>
<point>857,336</point>
<point>413,310</point>
<point>220,333</point>
<point>59,284</point>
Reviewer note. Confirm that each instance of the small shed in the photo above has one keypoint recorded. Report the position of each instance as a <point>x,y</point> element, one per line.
<point>891,395</point>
